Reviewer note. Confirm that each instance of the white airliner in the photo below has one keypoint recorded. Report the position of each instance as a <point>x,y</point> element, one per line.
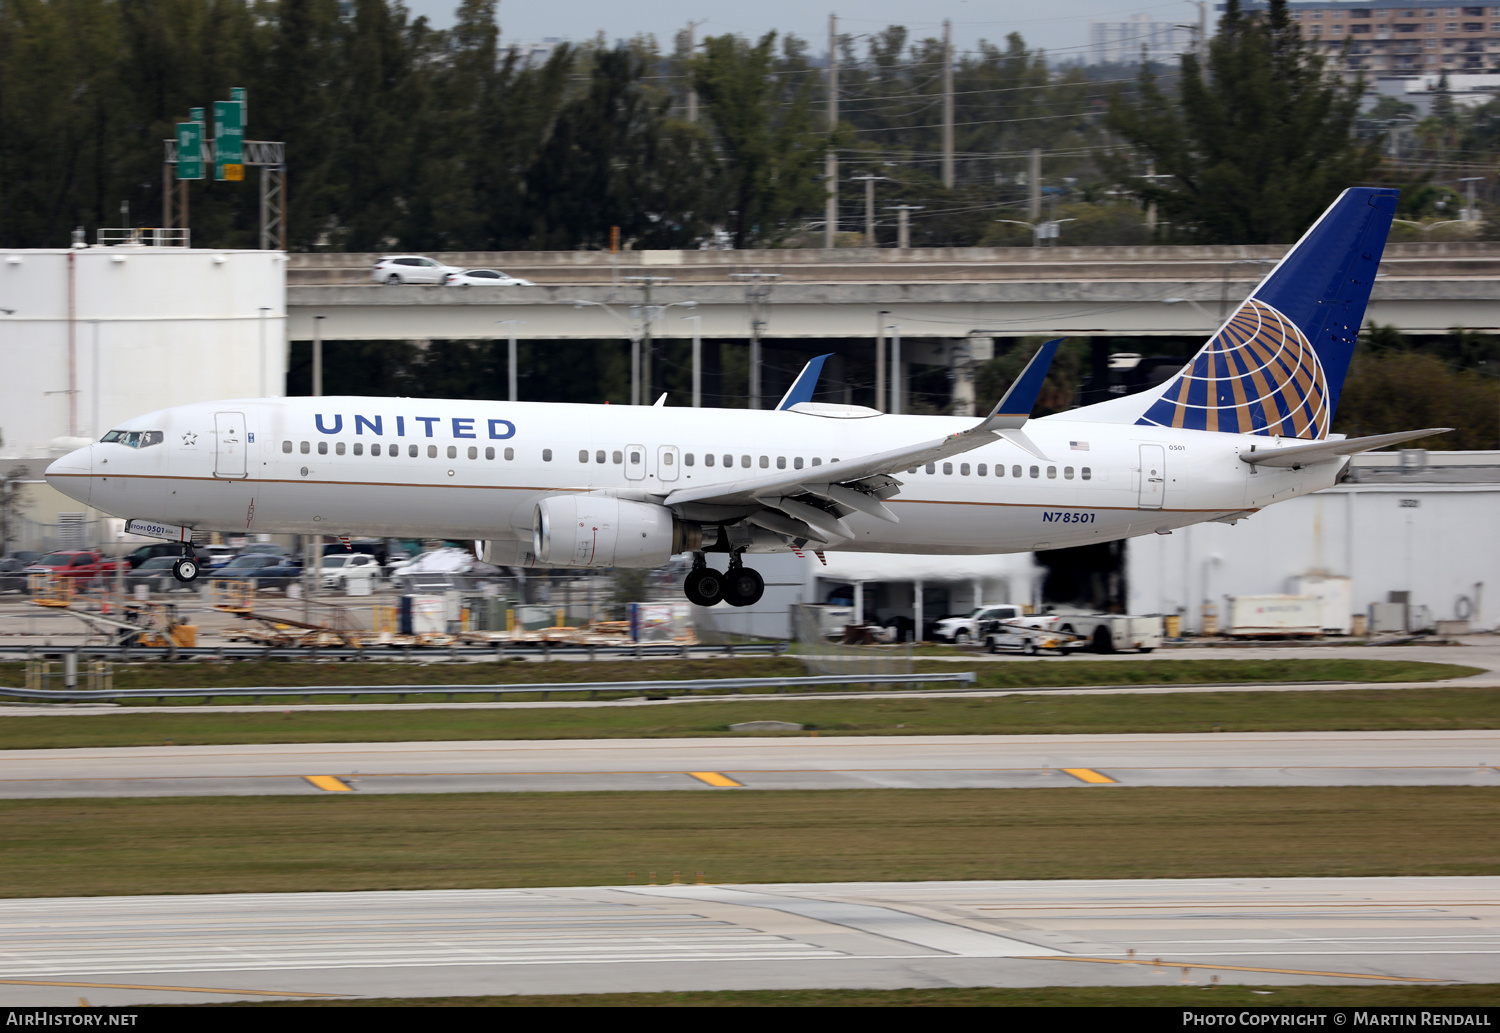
<point>1244,425</point>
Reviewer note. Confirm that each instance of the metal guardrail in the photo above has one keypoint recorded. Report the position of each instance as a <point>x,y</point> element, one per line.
<point>684,686</point>
<point>392,654</point>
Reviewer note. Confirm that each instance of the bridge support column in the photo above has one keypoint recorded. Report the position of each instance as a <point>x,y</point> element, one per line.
<point>966,358</point>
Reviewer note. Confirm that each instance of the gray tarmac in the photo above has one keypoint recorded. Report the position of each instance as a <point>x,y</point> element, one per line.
<point>189,949</point>
<point>1423,758</point>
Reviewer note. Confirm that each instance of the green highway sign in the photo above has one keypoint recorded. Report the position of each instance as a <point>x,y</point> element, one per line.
<point>189,150</point>
<point>229,140</point>
<point>195,115</point>
<point>241,96</point>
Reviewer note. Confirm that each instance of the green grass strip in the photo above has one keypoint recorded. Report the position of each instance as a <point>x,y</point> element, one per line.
<point>83,847</point>
<point>1479,995</point>
<point>1031,714</point>
<point>1018,674</point>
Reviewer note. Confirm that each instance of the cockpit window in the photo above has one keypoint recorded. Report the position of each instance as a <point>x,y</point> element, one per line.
<point>134,438</point>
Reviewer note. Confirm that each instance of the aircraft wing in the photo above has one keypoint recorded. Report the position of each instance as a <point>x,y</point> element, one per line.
<point>1298,456</point>
<point>811,503</point>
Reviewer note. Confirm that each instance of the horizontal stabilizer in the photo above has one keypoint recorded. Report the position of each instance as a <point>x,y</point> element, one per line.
<point>1323,451</point>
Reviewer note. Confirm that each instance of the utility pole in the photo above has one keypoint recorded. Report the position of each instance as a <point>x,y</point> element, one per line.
<point>948,104</point>
<point>641,361</point>
<point>895,369</point>
<point>903,226</point>
<point>880,356</point>
<point>317,357</point>
<point>757,292</point>
<point>831,161</point>
<point>869,179</point>
<point>1034,184</point>
<point>692,49</point>
<point>512,366</point>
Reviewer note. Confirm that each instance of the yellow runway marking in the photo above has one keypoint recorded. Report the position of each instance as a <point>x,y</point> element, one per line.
<point>713,778</point>
<point>329,784</point>
<point>182,989</point>
<point>1089,775</point>
<point>1246,968</point>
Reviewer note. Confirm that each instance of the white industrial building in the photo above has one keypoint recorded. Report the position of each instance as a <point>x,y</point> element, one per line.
<point>93,335</point>
<point>1426,524</point>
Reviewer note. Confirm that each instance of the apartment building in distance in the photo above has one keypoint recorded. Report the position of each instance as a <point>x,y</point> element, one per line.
<point>1125,42</point>
<point>1385,37</point>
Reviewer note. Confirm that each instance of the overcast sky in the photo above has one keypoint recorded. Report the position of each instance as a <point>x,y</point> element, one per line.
<point>1060,27</point>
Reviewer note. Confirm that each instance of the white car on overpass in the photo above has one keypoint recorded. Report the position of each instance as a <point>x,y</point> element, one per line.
<point>399,269</point>
<point>485,278</point>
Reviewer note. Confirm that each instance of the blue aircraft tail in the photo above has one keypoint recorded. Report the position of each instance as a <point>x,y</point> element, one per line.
<point>1277,366</point>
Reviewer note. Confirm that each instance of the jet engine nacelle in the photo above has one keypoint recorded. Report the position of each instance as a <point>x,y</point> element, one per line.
<point>599,531</point>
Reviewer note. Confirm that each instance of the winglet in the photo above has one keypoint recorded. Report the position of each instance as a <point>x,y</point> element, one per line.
<point>1012,411</point>
<point>806,383</point>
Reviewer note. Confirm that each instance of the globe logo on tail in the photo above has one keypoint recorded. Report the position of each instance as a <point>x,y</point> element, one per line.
<point>1258,375</point>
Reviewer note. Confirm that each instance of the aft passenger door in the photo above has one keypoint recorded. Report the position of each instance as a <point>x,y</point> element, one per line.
<point>229,444</point>
<point>1153,476</point>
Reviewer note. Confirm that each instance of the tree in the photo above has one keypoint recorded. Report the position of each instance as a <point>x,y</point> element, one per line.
<point>770,154</point>
<point>1257,144</point>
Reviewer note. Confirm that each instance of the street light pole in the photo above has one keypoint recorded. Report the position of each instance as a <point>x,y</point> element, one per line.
<point>642,357</point>
<point>697,360</point>
<point>512,366</point>
<point>317,357</point>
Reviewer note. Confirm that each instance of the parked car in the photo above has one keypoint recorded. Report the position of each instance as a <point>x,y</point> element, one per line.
<point>265,570</point>
<point>963,631</point>
<point>399,269</point>
<point>13,575</point>
<point>24,555</point>
<point>79,563</point>
<point>156,574</point>
<point>155,549</point>
<point>485,278</point>
<point>337,570</point>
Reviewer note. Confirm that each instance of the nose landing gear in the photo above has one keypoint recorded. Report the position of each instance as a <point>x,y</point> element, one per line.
<point>738,586</point>
<point>186,569</point>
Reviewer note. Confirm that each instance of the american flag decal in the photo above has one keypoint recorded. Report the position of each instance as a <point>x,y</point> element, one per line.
<point>1079,446</point>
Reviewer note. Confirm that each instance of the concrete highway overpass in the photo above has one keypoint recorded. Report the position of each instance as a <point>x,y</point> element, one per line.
<point>936,294</point>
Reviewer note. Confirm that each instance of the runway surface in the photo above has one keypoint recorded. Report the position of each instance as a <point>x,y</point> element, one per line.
<point>131,950</point>
<point>802,762</point>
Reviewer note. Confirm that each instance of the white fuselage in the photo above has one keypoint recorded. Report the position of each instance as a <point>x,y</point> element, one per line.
<point>461,469</point>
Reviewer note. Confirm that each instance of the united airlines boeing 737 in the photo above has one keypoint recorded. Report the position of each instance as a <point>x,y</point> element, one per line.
<point>1245,424</point>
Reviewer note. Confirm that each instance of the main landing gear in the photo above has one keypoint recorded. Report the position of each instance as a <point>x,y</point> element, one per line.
<point>738,586</point>
<point>186,569</point>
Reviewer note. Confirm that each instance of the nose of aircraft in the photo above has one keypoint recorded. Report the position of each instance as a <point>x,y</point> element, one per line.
<point>73,474</point>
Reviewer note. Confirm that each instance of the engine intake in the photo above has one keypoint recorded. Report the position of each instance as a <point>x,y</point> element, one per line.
<point>599,531</point>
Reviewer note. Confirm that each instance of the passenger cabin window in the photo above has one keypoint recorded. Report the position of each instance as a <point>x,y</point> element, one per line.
<point>431,452</point>
<point>687,459</point>
<point>780,463</point>
<point>1036,471</point>
<point>305,448</point>
<point>964,469</point>
<point>375,449</point>
<point>510,454</point>
<point>583,455</point>
<point>599,456</point>
<point>931,467</point>
<point>745,462</point>
<point>339,448</point>
<point>708,459</point>
<point>765,462</point>
<point>666,458</point>
<point>1051,473</point>
<point>322,448</point>
<point>1087,473</point>
<point>1067,473</point>
<point>617,457</point>
<point>947,469</point>
<point>1015,471</point>
<point>359,448</point>
<point>797,463</point>
<point>817,461</point>
<point>635,459</point>
<point>546,455</point>
<point>473,451</point>
<point>489,452</point>
<point>982,470</point>
<point>452,451</point>
<point>286,446</point>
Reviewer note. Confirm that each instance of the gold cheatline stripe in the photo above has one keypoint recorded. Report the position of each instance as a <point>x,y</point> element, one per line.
<point>182,989</point>
<point>329,784</point>
<point>1244,968</point>
<point>713,778</point>
<point>1091,776</point>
